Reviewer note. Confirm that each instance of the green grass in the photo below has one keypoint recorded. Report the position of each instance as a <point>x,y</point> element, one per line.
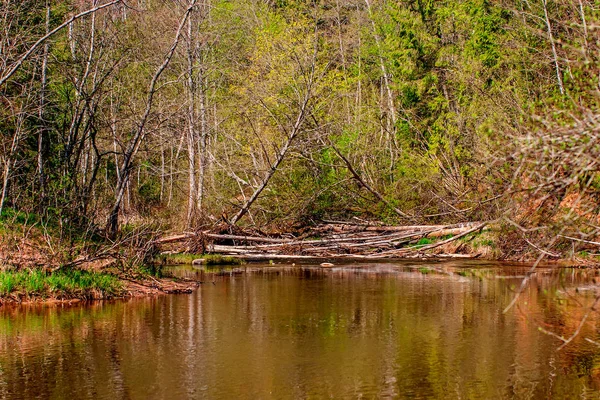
<point>187,259</point>
<point>73,283</point>
<point>424,241</point>
<point>17,217</point>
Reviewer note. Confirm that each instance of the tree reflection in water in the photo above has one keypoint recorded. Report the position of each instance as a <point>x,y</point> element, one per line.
<point>373,330</point>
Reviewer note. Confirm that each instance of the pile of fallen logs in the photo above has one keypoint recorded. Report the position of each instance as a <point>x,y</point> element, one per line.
<point>333,239</point>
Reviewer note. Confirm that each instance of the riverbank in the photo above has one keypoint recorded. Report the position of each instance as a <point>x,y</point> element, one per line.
<point>38,266</point>
<point>44,261</point>
<point>37,285</point>
<point>375,241</point>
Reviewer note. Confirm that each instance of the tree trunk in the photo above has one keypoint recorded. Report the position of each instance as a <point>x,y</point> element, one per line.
<point>19,62</point>
<point>296,129</point>
<point>553,44</point>
<point>391,108</point>
<point>42,130</point>
<point>203,143</point>
<point>5,176</point>
<point>191,121</point>
<point>135,143</point>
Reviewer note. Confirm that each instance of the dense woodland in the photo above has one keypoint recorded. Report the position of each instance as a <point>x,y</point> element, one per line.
<point>284,113</point>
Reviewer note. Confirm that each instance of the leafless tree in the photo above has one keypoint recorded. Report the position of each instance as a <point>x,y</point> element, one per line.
<point>135,143</point>
<point>8,71</point>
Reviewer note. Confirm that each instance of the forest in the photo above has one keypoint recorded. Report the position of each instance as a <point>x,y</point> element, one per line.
<point>127,119</point>
<point>342,198</point>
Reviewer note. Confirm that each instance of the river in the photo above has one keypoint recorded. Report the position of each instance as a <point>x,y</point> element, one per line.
<point>389,330</point>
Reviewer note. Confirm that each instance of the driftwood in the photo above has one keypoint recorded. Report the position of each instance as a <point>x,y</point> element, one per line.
<point>350,227</point>
<point>431,230</point>
<point>452,239</point>
<point>458,236</point>
<point>191,235</point>
<point>334,240</point>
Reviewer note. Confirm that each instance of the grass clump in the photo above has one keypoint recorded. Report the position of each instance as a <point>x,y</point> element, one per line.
<point>424,241</point>
<point>484,243</point>
<point>209,259</point>
<point>10,215</point>
<point>178,259</point>
<point>7,283</point>
<point>217,259</point>
<point>69,283</point>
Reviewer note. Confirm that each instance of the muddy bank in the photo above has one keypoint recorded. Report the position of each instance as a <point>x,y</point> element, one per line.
<point>99,280</point>
<point>130,289</point>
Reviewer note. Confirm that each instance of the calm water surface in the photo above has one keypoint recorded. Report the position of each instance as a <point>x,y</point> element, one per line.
<point>354,331</point>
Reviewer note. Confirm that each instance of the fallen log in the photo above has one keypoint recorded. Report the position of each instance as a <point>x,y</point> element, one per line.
<point>381,242</point>
<point>191,235</point>
<point>402,252</point>
<point>446,232</point>
<point>452,239</point>
<point>273,242</point>
<point>387,241</point>
<point>174,238</point>
<point>342,227</point>
<point>215,248</point>
<point>347,228</point>
<point>361,223</point>
<point>262,257</point>
<point>257,239</point>
<point>443,230</point>
<point>351,239</point>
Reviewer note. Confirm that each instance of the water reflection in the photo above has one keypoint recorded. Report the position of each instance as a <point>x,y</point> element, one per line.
<point>361,330</point>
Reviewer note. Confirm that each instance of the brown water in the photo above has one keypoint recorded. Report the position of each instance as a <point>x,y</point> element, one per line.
<point>358,331</point>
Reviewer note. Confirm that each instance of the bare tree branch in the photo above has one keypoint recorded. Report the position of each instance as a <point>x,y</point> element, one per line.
<point>135,143</point>
<point>47,36</point>
<point>368,187</point>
